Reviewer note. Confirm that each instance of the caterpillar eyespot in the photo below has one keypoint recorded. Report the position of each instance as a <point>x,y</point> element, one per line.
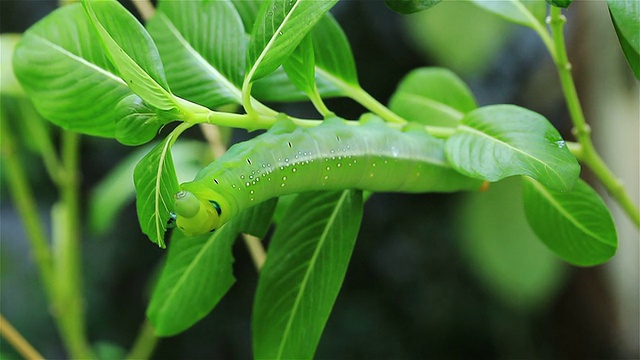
<point>331,156</point>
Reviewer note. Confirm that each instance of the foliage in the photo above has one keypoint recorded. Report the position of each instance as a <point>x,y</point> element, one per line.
<point>92,68</point>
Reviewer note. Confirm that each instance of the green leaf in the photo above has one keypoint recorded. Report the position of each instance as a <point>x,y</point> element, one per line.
<point>305,267</point>
<point>530,13</point>
<point>576,225</point>
<point>300,66</point>
<point>499,141</point>
<point>560,3</point>
<point>334,67</point>
<point>132,52</point>
<point>156,183</point>
<point>116,190</point>
<point>625,15</point>
<point>410,6</point>
<point>203,46</point>
<point>503,252</point>
<point>432,96</point>
<point>199,271</point>
<point>63,69</point>
<point>334,59</point>
<point>137,123</point>
<point>279,28</point>
<point>197,274</point>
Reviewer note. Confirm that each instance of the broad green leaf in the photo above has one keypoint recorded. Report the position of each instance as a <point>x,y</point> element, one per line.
<point>576,225</point>
<point>203,46</point>
<point>530,13</point>
<point>432,96</point>
<point>335,68</point>
<point>199,271</point>
<point>137,123</point>
<point>197,274</point>
<point>116,190</point>
<point>503,252</point>
<point>334,59</point>
<point>156,183</point>
<point>305,267</point>
<point>300,66</point>
<point>410,6</point>
<point>63,69</point>
<point>279,28</point>
<point>499,141</point>
<point>132,52</point>
<point>625,15</point>
<point>560,3</point>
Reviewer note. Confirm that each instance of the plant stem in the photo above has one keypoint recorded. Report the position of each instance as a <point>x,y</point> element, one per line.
<point>581,130</point>
<point>18,341</point>
<point>364,98</point>
<point>27,208</point>
<point>145,343</point>
<point>69,304</point>
<point>256,250</point>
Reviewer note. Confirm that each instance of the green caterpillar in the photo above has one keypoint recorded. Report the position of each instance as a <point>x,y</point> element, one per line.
<point>332,156</point>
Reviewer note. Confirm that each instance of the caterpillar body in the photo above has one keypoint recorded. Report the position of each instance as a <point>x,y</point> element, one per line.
<point>332,156</point>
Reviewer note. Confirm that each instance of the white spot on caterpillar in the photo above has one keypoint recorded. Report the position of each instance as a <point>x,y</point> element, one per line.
<point>252,192</point>
<point>294,170</point>
<point>326,177</point>
<point>242,177</point>
<point>339,165</point>
<point>328,168</point>
<point>248,183</point>
<point>284,178</point>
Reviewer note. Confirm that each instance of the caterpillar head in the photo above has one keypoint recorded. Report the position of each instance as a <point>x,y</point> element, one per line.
<point>195,216</point>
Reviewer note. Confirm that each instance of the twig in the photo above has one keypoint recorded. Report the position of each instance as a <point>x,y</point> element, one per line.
<point>17,340</point>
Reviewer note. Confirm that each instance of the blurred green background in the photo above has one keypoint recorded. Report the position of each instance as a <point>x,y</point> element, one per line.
<point>432,276</point>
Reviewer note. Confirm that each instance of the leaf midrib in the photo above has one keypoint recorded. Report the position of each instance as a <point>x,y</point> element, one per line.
<point>79,59</point>
<point>222,80</point>
<point>509,146</point>
<point>542,190</point>
<point>311,266</point>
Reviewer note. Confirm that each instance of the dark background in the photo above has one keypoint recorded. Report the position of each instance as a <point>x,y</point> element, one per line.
<point>410,292</point>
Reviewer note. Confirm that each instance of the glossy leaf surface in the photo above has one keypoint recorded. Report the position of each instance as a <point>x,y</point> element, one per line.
<point>432,96</point>
<point>63,69</point>
<point>197,274</point>
<point>576,225</point>
<point>203,45</point>
<point>302,276</point>
<point>131,50</point>
<point>156,183</point>
<point>499,141</point>
<point>279,28</point>
<point>199,271</point>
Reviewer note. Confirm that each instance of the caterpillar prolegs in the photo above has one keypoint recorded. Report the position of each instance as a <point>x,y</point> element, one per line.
<point>332,156</point>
